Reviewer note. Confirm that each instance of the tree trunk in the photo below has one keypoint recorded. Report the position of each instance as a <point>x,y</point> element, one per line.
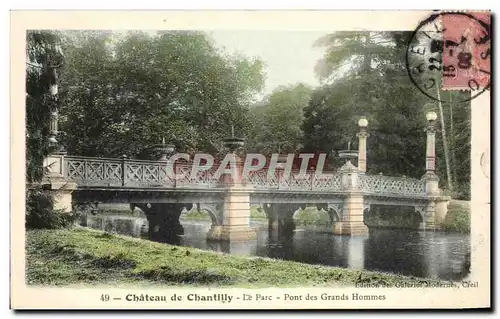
<point>445,142</point>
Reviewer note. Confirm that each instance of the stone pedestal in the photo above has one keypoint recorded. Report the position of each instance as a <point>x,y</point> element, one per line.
<point>63,198</point>
<point>350,229</point>
<point>352,223</point>
<point>55,182</point>
<point>433,192</point>
<point>236,211</point>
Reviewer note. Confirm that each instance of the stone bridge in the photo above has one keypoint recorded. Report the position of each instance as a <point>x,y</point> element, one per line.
<point>347,194</point>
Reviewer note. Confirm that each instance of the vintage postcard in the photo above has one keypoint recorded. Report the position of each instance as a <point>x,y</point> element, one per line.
<point>250,159</point>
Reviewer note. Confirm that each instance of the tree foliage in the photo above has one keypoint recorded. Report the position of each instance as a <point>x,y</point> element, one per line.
<point>122,93</point>
<point>364,75</point>
<point>40,213</point>
<point>276,122</point>
<point>39,202</point>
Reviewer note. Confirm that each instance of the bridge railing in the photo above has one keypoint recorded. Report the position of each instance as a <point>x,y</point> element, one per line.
<point>390,185</point>
<point>295,181</point>
<point>89,171</point>
<point>112,172</point>
<point>105,172</point>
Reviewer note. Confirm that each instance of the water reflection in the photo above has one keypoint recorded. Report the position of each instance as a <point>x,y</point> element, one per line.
<point>408,252</point>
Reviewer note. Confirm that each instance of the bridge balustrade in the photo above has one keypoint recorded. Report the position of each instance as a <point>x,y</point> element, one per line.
<point>330,182</point>
<point>380,184</point>
<point>109,172</point>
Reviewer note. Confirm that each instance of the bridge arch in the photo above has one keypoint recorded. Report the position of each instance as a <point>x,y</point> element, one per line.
<point>334,211</point>
<point>214,211</point>
<point>334,215</point>
<point>321,211</point>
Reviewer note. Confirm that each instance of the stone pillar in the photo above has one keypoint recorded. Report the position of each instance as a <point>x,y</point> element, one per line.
<point>62,195</point>
<point>352,222</point>
<point>430,178</point>
<point>236,216</point>
<point>430,151</point>
<point>53,101</point>
<point>55,181</point>
<point>236,206</point>
<point>362,135</point>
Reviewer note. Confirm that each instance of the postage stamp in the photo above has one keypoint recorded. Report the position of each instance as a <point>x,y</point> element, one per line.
<point>250,160</point>
<point>451,51</point>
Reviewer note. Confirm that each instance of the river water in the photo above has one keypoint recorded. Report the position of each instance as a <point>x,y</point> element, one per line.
<point>430,254</point>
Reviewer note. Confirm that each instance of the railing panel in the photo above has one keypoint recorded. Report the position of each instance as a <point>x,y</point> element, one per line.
<point>93,172</point>
<point>260,180</point>
<point>389,185</point>
<point>139,174</point>
<point>327,182</point>
<point>297,182</point>
<point>203,179</point>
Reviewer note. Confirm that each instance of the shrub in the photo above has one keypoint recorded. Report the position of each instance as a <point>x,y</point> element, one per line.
<point>40,213</point>
<point>458,218</point>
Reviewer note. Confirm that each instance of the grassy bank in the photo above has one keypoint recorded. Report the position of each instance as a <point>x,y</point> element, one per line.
<point>83,256</point>
<point>458,217</point>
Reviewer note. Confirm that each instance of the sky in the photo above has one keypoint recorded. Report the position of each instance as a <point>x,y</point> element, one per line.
<point>289,55</point>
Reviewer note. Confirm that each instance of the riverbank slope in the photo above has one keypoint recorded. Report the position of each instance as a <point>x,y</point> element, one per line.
<point>84,256</point>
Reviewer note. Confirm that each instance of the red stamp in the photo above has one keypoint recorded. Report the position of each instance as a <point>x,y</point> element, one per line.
<point>466,51</point>
<point>451,51</point>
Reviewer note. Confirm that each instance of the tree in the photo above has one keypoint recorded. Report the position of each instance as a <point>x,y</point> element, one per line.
<point>40,44</point>
<point>455,118</point>
<point>125,92</point>
<point>374,84</point>
<point>354,53</point>
<point>276,121</point>
<point>365,74</point>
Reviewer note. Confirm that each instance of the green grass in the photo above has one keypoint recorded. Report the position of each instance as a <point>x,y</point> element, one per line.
<point>84,256</point>
<point>458,217</point>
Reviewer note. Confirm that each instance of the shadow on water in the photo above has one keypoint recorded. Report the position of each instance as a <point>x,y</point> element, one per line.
<point>409,252</point>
